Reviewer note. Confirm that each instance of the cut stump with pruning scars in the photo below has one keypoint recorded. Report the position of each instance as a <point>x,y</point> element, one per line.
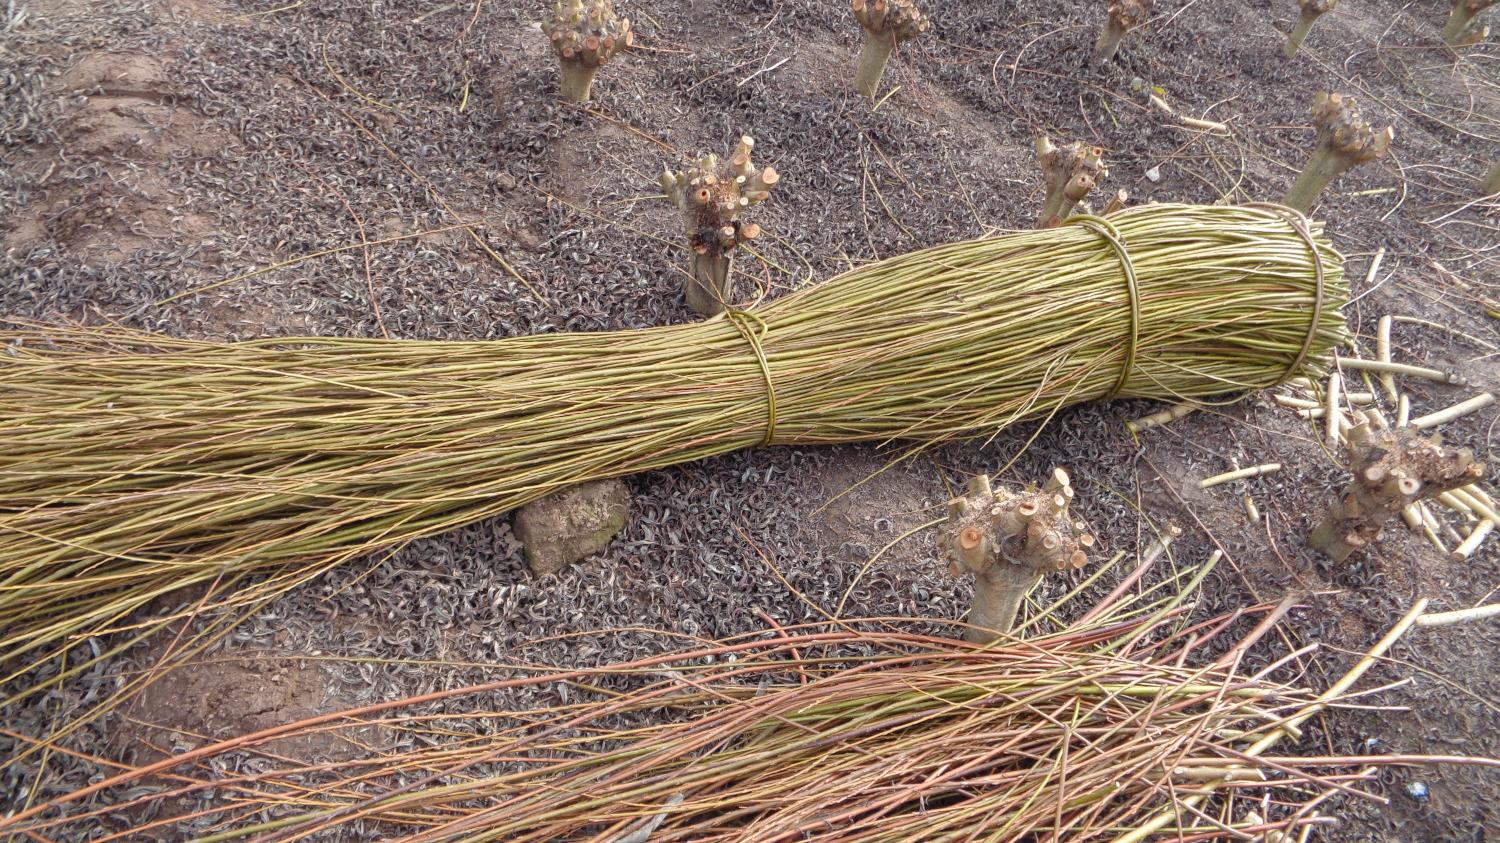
<point>1393,468</point>
<point>1344,142</point>
<point>1069,172</point>
<point>711,195</point>
<point>1121,17</point>
<point>1009,540</point>
<point>586,34</point>
<point>885,23</point>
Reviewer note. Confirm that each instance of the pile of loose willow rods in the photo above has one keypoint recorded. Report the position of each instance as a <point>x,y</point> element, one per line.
<point>135,465</point>
<point>1127,724</point>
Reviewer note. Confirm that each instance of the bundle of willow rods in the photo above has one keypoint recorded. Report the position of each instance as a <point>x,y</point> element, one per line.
<point>1118,727</point>
<point>134,465</point>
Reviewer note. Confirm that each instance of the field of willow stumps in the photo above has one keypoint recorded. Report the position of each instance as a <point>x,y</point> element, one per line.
<point>229,170</point>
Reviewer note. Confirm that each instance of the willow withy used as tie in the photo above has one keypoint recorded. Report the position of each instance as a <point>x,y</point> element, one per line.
<point>135,465</point>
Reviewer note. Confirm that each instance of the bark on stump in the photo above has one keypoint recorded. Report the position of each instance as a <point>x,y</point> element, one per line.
<point>711,195</point>
<point>1311,11</point>
<point>1392,468</point>
<point>1069,173</point>
<point>1009,539</point>
<point>1122,17</point>
<point>885,23</point>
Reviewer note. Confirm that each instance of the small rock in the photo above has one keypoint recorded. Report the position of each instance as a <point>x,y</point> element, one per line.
<point>1153,175</point>
<point>569,525</point>
<point>1417,790</point>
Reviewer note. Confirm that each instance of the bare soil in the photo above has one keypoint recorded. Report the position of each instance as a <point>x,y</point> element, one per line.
<point>186,709</point>
<point>230,169</point>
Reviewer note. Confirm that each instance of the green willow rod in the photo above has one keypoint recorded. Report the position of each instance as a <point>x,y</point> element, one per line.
<point>135,464</point>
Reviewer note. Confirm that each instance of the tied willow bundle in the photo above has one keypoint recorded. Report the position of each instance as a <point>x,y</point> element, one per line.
<point>135,465</point>
<point>1120,726</point>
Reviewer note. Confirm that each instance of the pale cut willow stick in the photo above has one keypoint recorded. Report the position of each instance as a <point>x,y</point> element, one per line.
<point>1456,411</point>
<point>1239,474</point>
<point>1161,417</point>
<point>1402,369</point>
<point>1476,613</point>
<point>1471,543</point>
<point>1383,351</point>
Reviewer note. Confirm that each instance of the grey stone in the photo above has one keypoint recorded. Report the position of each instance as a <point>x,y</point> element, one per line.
<point>570,525</point>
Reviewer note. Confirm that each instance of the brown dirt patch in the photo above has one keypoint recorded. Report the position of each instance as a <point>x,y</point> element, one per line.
<point>123,118</point>
<point>190,707</point>
<point>870,504</point>
<point>200,11</point>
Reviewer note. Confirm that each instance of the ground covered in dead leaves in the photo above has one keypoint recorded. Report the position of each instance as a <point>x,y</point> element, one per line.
<point>160,155</point>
